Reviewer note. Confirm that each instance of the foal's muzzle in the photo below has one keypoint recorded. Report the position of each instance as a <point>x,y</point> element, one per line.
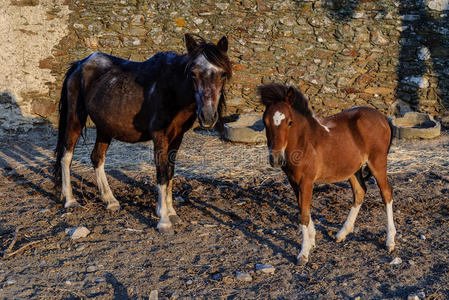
<point>207,117</point>
<point>277,159</point>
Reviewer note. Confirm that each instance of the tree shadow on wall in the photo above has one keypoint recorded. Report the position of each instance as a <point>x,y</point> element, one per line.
<point>424,49</point>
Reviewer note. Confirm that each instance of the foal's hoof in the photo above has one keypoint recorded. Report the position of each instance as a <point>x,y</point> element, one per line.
<point>174,219</point>
<point>302,260</point>
<point>166,230</point>
<point>113,207</point>
<point>71,204</point>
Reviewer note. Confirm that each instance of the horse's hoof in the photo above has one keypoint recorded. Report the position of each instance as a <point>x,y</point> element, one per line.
<point>301,260</point>
<point>113,207</point>
<point>166,230</point>
<point>340,239</point>
<point>390,248</point>
<point>71,204</point>
<point>174,219</point>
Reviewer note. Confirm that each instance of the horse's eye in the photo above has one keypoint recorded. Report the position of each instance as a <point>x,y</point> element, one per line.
<point>193,75</point>
<point>290,123</point>
<point>223,76</point>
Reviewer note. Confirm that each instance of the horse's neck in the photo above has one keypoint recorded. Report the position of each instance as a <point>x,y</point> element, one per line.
<point>306,131</point>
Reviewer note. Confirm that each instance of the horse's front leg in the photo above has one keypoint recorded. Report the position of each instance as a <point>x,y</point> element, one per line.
<point>172,152</point>
<point>163,180</point>
<point>307,226</point>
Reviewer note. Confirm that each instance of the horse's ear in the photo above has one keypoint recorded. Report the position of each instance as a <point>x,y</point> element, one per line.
<point>222,44</point>
<point>290,96</point>
<point>191,43</point>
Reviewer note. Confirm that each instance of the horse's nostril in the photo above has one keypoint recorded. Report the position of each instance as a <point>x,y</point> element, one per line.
<point>201,115</point>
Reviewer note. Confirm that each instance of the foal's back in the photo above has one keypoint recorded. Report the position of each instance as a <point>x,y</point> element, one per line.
<point>352,138</point>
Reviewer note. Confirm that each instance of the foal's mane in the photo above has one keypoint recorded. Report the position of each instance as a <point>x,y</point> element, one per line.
<point>212,54</point>
<point>275,93</point>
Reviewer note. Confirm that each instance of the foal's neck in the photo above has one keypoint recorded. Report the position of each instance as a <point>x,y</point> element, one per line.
<point>307,129</point>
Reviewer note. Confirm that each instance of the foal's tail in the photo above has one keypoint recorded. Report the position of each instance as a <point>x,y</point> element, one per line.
<point>62,125</point>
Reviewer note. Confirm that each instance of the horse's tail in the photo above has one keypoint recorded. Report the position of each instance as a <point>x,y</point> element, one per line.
<point>390,124</point>
<point>62,125</point>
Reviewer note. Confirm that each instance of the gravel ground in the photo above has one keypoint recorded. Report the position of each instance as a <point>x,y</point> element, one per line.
<point>236,212</point>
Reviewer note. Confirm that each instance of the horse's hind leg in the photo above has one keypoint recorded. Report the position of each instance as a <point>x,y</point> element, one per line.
<point>76,119</point>
<point>378,167</point>
<point>98,157</point>
<point>359,190</point>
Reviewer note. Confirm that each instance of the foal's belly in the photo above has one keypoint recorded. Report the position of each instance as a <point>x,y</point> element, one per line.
<point>338,171</point>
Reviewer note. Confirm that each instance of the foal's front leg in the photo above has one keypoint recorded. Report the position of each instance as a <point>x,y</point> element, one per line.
<point>307,226</point>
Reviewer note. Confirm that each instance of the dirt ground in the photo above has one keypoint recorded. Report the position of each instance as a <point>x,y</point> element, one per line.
<point>236,211</point>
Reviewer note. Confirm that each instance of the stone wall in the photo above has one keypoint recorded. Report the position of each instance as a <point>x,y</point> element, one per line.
<point>386,54</point>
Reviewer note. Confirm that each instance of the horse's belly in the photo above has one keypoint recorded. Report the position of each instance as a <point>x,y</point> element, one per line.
<point>338,171</point>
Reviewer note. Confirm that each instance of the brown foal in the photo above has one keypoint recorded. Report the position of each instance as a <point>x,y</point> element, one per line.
<point>326,150</point>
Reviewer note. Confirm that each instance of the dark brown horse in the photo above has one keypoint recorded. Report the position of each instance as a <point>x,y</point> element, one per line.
<point>339,147</point>
<point>139,101</point>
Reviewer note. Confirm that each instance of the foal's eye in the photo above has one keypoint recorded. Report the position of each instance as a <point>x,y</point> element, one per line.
<point>290,123</point>
<point>223,76</point>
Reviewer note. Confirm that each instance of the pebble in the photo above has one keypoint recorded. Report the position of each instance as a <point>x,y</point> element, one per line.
<point>98,280</point>
<point>396,261</point>
<point>42,211</point>
<point>265,268</point>
<point>243,276</point>
<point>422,237</point>
<point>189,282</point>
<point>80,248</point>
<point>68,282</point>
<point>154,295</point>
<point>416,296</point>
<point>10,281</point>
<point>91,269</point>
<point>77,232</point>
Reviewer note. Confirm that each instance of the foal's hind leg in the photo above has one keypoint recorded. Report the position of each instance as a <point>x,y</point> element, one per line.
<point>359,190</point>
<point>98,158</point>
<point>378,167</point>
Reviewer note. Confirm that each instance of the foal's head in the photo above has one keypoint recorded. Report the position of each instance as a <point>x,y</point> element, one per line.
<point>280,104</point>
<point>209,69</point>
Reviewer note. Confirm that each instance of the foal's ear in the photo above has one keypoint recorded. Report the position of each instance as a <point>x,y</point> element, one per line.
<point>191,43</point>
<point>290,96</point>
<point>222,44</point>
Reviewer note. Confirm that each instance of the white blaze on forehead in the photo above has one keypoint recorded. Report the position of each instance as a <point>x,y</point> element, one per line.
<point>278,117</point>
<point>204,64</point>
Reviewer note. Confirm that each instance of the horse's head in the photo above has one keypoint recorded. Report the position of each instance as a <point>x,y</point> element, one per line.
<point>280,103</point>
<point>209,69</point>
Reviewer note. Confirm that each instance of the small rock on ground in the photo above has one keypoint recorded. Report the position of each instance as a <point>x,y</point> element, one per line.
<point>243,276</point>
<point>154,295</point>
<point>416,296</point>
<point>265,268</point>
<point>396,261</point>
<point>91,269</point>
<point>77,232</point>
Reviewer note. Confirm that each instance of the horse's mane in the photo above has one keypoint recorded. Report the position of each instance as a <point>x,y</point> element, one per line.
<point>212,54</point>
<point>275,93</point>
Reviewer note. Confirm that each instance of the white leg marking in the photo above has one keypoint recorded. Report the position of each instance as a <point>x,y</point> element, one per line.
<point>312,232</point>
<point>348,226</point>
<point>303,256</point>
<point>164,224</point>
<point>171,210</point>
<point>105,190</point>
<point>66,186</point>
<point>391,230</point>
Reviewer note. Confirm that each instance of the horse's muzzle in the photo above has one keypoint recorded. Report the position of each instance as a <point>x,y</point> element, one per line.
<point>277,159</point>
<point>207,118</point>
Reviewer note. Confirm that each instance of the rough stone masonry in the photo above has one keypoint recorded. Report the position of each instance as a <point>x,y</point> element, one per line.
<point>391,54</point>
